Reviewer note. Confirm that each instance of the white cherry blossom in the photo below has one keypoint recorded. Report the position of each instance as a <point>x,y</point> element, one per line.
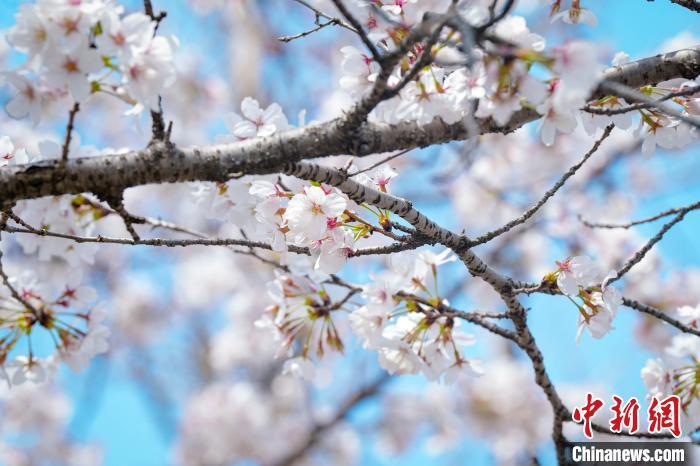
<point>256,121</point>
<point>309,213</point>
<point>575,273</point>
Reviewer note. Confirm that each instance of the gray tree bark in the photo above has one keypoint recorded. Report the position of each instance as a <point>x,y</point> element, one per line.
<point>110,175</point>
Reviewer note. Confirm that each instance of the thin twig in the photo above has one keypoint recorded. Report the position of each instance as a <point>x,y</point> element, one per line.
<point>359,30</point>
<point>639,255</point>
<point>478,318</point>
<point>320,26</point>
<point>628,225</point>
<point>634,95</point>
<point>532,210</point>
<point>171,243</point>
<point>321,14</point>
<point>496,18</point>
<point>13,291</point>
<point>659,314</point>
<point>343,411</point>
<point>381,162</point>
<point>157,121</point>
<point>69,134</point>
<point>551,289</point>
<point>596,110</point>
<point>127,218</point>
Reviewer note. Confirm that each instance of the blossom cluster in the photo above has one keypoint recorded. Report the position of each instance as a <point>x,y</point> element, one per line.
<point>301,314</point>
<point>291,213</point>
<point>404,319</point>
<point>501,83</point>
<point>677,371</point>
<point>80,48</point>
<point>579,277</point>
<point>407,321</point>
<point>69,317</point>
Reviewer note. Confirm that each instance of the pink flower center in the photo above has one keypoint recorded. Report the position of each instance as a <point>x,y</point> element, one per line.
<point>135,72</point>
<point>28,92</point>
<point>71,65</point>
<point>119,39</point>
<point>564,266</point>
<point>69,25</point>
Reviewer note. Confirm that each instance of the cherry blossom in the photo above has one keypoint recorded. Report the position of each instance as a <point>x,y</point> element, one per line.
<point>146,72</point>
<point>575,273</point>
<point>72,69</point>
<point>69,317</point>
<point>359,71</point>
<point>656,378</point>
<point>689,315</point>
<point>30,33</point>
<point>310,214</point>
<point>122,36</point>
<point>69,43</point>
<point>9,154</point>
<point>576,15</point>
<point>255,121</point>
<point>299,367</point>
<point>27,101</point>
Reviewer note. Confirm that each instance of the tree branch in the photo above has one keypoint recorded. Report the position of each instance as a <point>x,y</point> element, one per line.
<point>659,315</point>
<point>319,429</point>
<point>634,95</point>
<point>358,29</point>
<point>321,14</point>
<point>69,134</point>
<point>595,110</point>
<point>174,243</point>
<point>551,289</point>
<point>532,210</point>
<point>157,121</point>
<point>162,163</point>
<point>639,255</point>
<point>692,5</point>
<point>628,225</point>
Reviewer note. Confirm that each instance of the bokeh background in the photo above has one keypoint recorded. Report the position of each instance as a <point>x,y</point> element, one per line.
<point>131,402</point>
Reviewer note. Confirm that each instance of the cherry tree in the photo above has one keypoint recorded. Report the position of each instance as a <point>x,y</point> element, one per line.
<point>256,271</point>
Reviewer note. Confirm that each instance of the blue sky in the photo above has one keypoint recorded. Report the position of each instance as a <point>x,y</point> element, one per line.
<point>121,418</point>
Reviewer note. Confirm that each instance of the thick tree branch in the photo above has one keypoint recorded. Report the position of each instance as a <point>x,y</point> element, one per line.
<point>162,163</point>
<point>692,5</point>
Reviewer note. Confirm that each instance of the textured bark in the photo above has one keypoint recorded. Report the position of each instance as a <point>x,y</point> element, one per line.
<point>163,163</point>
